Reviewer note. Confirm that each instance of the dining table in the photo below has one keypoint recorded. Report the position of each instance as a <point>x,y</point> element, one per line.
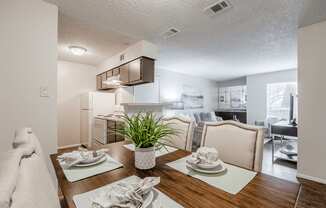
<point>262,191</point>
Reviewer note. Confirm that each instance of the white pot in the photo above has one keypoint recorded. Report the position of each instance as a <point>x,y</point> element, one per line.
<point>145,158</point>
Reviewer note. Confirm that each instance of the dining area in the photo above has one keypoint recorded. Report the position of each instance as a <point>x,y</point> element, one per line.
<point>164,171</point>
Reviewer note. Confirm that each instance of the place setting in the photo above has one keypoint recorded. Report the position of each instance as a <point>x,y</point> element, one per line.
<point>206,165</point>
<point>130,192</point>
<point>83,163</point>
<point>206,160</point>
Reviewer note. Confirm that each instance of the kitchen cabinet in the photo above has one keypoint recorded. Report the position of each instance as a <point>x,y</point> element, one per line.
<point>103,78</point>
<point>109,73</point>
<point>116,72</point>
<point>98,82</point>
<point>112,135</point>
<point>141,71</point>
<point>124,74</point>
<point>135,72</point>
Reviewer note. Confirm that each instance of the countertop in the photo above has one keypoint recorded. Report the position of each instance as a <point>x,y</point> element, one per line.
<point>109,118</point>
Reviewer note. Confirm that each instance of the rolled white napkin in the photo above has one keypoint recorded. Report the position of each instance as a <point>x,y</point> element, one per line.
<point>70,159</point>
<point>206,155</point>
<point>125,195</point>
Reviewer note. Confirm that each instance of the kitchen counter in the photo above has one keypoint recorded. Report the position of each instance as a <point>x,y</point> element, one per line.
<point>109,118</point>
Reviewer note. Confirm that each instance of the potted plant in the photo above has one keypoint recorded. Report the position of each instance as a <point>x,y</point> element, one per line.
<point>146,131</point>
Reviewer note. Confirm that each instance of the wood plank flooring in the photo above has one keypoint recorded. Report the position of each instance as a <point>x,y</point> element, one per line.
<point>311,195</point>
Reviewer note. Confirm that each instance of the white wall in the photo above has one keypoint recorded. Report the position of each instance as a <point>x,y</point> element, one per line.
<point>73,80</point>
<point>257,92</point>
<point>28,60</point>
<point>233,82</point>
<point>168,86</point>
<point>312,102</point>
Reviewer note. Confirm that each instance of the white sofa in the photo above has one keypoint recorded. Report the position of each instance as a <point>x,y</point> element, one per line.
<point>25,181</point>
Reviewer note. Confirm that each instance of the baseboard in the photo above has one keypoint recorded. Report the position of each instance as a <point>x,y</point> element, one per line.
<point>311,178</point>
<point>69,146</point>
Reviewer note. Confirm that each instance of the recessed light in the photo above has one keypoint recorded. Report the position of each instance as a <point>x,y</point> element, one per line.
<point>77,50</point>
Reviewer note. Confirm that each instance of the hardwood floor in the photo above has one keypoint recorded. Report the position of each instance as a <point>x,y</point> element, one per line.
<point>311,194</point>
<point>280,169</point>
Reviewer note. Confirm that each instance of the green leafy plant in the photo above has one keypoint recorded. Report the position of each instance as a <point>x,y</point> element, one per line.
<point>146,130</point>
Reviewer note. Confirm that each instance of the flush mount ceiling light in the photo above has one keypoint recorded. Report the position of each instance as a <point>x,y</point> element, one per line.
<point>77,50</point>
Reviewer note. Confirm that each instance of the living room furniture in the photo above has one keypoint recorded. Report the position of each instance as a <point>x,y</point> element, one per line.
<point>238,144</point>
<point>263,191</point>
<point>284,131</point>
<point>25,180</point>
<point>240,115</point>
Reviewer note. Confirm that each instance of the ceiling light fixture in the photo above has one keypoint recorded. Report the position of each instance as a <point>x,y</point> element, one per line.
<point>77,50</point>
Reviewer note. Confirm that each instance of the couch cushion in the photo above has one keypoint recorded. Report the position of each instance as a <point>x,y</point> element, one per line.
<point>9,167</point>
<point>34,187</point>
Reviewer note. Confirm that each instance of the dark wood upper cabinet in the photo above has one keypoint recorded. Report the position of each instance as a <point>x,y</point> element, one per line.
<point>103,79</point>
<point>98,82</point>
<point>109,73</point>
<point>124,73</point>
<point>141,71</point>
<point>116,71</point>
<point>135,72</point>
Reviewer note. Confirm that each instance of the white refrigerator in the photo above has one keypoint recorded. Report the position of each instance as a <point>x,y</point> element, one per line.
<point>93,104</point>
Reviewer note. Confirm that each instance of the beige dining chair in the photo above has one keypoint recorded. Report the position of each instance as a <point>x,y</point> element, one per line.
<point>238,144</point>
<point>184,126</point>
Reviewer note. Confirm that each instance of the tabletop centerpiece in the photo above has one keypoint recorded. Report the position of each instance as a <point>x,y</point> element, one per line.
<point>147,132</point>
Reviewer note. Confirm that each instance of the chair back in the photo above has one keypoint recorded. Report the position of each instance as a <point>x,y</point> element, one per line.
<point>184,126</point>
<point>238,144</point>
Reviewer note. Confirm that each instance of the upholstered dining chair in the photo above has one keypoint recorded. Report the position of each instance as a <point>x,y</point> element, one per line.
<point>184,126</point>
<point>238,144</point>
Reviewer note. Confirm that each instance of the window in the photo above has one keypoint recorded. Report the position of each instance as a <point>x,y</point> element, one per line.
<point>278,99</point>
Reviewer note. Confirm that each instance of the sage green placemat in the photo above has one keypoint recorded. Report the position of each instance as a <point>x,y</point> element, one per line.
<point>78,173</point>
<point>160,200</point>
<point>233,180</point>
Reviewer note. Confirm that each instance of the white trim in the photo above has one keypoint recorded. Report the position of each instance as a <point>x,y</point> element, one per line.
<point>311,178</point>
<point>69,146</point>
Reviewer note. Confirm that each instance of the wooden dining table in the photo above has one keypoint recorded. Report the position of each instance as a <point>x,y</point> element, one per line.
<point>263,191</point>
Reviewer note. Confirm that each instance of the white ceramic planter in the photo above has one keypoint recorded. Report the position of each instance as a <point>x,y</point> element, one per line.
<point>145,158</point>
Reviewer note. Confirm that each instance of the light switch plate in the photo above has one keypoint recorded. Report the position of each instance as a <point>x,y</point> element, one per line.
<point>44,91</point>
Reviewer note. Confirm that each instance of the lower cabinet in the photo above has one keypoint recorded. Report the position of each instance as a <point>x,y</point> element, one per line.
<point>112,134</point>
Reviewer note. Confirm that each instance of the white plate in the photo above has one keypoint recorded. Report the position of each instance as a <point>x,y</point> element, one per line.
<point>207,165</point>
<point>219,169</point>
<point>93,159</point>
<point>91,164</point>
<point>148,200</point>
